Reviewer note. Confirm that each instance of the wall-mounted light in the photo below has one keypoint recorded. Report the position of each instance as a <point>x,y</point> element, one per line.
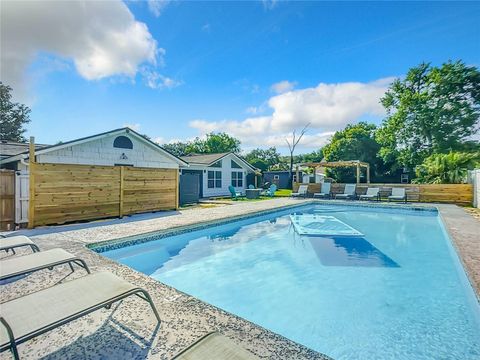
<point>123,156</point>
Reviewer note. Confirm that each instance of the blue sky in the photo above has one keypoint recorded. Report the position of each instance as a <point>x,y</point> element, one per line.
<point>257,70</point>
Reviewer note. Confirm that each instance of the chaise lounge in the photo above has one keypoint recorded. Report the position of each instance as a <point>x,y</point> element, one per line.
<point>37,261</point>
<point>372,194</point>
<point>348,192</point>
<point>326,188</point>
<point>26,317</point>
<point>398,194</point>
<point>301,191</point>
<point>13,242</point>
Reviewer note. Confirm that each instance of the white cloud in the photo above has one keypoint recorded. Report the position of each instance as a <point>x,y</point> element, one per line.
<point>207,27</point>
<point>134,127</point>
<point>101,38</point>
<point>155,80</point>
<point>283,86</point>
<point>327,107</point>
<point>269,4</point>
<point>156,7</point>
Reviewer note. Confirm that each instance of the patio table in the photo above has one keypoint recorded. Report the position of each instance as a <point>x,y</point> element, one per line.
<point>253,193</point>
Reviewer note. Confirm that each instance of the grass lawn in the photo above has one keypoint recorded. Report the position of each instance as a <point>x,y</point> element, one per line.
<point>278,193</point>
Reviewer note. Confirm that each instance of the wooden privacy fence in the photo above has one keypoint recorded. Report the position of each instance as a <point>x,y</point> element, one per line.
<point>7,199</point>
<point>449,193</point>
<point>65,192</point>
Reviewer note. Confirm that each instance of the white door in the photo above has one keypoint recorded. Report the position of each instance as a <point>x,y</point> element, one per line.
<point>21,197</point>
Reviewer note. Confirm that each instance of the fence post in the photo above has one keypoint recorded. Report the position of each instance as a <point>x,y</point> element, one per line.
<point>122,175</point>
<point>31,183</point>
<point>177,189</point>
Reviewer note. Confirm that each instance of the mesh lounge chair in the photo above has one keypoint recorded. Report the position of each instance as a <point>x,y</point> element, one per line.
<point>348,193</point>
<point>372,194</point>
<point>302,191</point>
<point>13,242</point>
<point>325,191</point>
<point>398,194</point>
<point>26,317</point>
<point>215,346</point>
<point>26,264</point>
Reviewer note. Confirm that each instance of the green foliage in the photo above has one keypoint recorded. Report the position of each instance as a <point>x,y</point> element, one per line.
<point>263,159</point>
<point>355,142</point>
<point>13,116</point>
<point>314,156</point>
<point>432,110</point>
<point>451,168</point>
<point>214,143</point>
<point>178,148</point>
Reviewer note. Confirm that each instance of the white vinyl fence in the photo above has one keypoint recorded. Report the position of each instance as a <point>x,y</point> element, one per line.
<point>475,179</point>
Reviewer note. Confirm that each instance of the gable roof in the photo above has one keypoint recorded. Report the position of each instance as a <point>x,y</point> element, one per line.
<point>11,148</point>
<point>124,130</point>
<point>210,159</point>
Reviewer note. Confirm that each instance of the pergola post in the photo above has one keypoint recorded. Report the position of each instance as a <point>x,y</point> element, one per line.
<point>368,173</point>
<point>358,173</point>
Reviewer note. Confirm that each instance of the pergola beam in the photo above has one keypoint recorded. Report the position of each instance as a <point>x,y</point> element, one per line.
<point>346,163</point>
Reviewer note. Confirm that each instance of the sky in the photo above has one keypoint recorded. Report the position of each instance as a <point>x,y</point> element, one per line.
<point>174,70</point>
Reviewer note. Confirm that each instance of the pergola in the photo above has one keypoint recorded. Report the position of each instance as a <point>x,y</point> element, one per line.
<point>334,164</point>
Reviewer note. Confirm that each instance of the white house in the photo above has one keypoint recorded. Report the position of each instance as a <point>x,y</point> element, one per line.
<point>217,172</point>
<point>113,148</point>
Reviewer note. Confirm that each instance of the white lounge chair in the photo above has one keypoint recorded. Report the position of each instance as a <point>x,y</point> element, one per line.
<point>326,187</point>
<point>348,193</point>
<point>21,265</point>
<point>398,194</point>
<point>26,317</point>
<point>372,194</point>
<point>301,191</point>
<point>13,242</point>
<point>215,346</point>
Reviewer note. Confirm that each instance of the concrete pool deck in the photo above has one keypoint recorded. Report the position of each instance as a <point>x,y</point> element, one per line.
<point>129,329</point>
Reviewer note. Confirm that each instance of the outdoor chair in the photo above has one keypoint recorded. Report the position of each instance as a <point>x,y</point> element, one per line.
<point>233,193</point>
<point>372,194</point>
<point>270,191</point>
<point>215,346</point>
<point>348,193</point>
<point>21,265</point>
<point>398,194</point>
<point>251,187</point>
<point>302,191</point>
<point>326,188</point>
<point>13,242</point>
<point>34,314</point>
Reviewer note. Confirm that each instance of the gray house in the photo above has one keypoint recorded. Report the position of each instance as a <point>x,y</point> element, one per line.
<point>279,178</point>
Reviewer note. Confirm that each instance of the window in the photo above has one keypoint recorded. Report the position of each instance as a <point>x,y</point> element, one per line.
<point>122,142</point>
<point>276,177</point>
<point>214,179</point>
<point>234,165</point>
<point>294,177</point>
<point>237,179</point>
<point>217,164</point>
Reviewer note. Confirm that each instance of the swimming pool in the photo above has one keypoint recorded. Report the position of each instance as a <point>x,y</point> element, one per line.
<point>398,292</point>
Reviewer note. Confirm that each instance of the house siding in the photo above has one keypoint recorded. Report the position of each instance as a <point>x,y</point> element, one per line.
<point>101,152</point>
<point>226,177</point>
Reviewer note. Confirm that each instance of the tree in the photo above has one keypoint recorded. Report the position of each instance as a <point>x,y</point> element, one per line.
<point>292,144</point>
<point>451,168</point>
<point>214,143</point>
<point>314,156</point>
<point>13,116</point>
<point>263,159</point>
<point>178,148</point>
<point>355,142</point>
<point>431,110</point>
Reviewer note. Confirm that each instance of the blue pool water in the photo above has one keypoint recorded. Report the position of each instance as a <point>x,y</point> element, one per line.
<point>399,292</point>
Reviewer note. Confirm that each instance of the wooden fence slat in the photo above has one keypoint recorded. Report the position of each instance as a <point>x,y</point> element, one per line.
<point>70,192</point>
